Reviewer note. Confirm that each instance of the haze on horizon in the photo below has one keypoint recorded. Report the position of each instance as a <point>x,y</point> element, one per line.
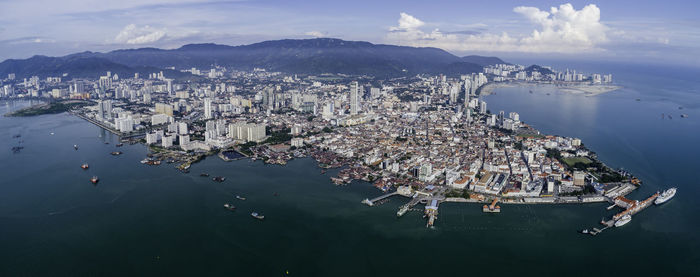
<point>658,32</point>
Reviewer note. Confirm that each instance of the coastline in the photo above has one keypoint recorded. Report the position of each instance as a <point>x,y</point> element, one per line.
<point>581,89</point>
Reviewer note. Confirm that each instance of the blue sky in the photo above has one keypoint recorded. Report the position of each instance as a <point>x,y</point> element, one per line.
<point>654,31</point>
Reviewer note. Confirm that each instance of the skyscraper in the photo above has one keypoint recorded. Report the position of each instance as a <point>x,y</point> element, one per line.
<point>354,95</point>
<point>208,113</point>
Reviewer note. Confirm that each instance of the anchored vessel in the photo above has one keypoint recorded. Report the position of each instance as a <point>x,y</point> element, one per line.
<point>94,179</point>
<point>84,166</point>
<point>219,179</point>
<point>665,196</point>
<point>240,198</point>
<point>623,220</point>
<point>229,207</point>
<point>257,215</point>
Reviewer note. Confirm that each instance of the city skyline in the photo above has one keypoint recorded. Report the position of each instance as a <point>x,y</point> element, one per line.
<point>658,33</point>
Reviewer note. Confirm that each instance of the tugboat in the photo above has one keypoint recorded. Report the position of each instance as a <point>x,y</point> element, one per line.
<point>257,215</point>
<point>229,207</point>
<point>116,153</point>
<point>94,180</point>
<point>240,198</point>
<point>219,179</point>
<point>84,166</point>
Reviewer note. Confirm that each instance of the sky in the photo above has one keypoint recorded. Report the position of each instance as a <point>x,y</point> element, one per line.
<point>665,32</point>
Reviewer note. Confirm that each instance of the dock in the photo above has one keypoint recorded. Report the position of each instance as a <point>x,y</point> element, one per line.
<point>631,207</point>
<point>373,201</point>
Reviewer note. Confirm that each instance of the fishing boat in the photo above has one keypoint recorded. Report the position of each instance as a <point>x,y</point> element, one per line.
<point>257,215</point>
<point>94,179</point>
<point>229,207</point>
<point>84,166</point>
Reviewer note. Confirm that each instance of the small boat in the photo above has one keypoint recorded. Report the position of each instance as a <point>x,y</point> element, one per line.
<point>116,153</point>
<point>204,174</point>
<point>52,133</point>
<point>275,194</point>
<point>75,146</point>
<point>219,179</point>
<point>584,231</point>
<point>84,166</point>
<point>639,99</point>
<point>119,144</point>
<point>229,207</point>
<point>106,142</point>
<point>240,198</point>
<point>684,116</point>
<point>94,179</point>
<point>257,215</point>
<point>623,220</point>
<point>530,91</point>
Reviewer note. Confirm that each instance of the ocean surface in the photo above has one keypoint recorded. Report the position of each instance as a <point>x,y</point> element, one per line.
<point>142,220</point>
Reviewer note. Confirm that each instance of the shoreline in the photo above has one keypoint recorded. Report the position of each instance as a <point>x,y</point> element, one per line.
<point>587,90</point>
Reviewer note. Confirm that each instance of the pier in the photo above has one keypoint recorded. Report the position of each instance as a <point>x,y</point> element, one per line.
<point>631,207</point>
<point>371,202</point>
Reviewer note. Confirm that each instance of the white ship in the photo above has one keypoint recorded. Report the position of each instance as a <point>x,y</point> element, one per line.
<point>665,196</point>
<point>624,220</point>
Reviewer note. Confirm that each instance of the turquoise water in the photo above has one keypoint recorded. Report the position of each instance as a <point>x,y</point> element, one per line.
<point>153,220</point>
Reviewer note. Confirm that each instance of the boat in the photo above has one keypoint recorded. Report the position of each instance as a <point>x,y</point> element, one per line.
<point>204,174</point>
<point>624,220</point>
<point>75,146</point>
<point>665,196</point>
<point>84,166</point>
<point>257,215</point>
<point>584,231</point>
<point>219,179</point>
<point>119,144</point>
<point>684,116</point>
<point>94,179</point>
<point>229,207</point>
<point>116,153</point>
<point>106,142</point>
<point>240,198</point>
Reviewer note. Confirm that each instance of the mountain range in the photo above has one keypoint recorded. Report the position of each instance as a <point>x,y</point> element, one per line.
<point>300,56</point>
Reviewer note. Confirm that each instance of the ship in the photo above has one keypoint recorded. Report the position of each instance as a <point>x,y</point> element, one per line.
<point>257,215</point>
<point>229,207</point>
<point>94,179</point>
<point>119,144</point>
<point>665,196</point>
<point>75,146</point>
<point>204,174</point>
<point>240,198</point>
<point>116,153</point>
<point>219,179</point>
<point>623,220</point>
<point>684,116</point>
<point>84,166</point>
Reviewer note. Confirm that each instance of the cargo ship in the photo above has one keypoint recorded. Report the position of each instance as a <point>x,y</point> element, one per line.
<point>229,207</point>
<point>257,215</point>
<point>84,166</point>
<point>623,220</point>
<point>94,179</point>
<point>665,196</point>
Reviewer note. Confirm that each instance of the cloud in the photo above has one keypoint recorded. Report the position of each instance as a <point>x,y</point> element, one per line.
<point>562,29</point>
<point>316,34</point>
<point>132,34</point>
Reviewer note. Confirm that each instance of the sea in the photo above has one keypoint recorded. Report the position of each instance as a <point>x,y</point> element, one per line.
<point>142,220</point>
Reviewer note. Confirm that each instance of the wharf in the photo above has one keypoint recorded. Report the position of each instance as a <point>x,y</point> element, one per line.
<point>371,202</point>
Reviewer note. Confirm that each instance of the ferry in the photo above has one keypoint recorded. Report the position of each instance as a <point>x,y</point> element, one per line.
<point>624,220</point>
<point>229,207</point>
<point>257,215</point>
<point>665,196</point>
<point>240,198</point>
<point>94,179</point>
<point>84,166</point>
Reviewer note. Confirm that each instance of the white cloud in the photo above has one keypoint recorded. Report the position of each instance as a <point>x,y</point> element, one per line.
<point>316,34</point>
<point>561,30</point>
<point>132,34</point>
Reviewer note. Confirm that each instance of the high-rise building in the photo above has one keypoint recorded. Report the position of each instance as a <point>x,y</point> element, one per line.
<point>208,112</point>
<point>354,95</point>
